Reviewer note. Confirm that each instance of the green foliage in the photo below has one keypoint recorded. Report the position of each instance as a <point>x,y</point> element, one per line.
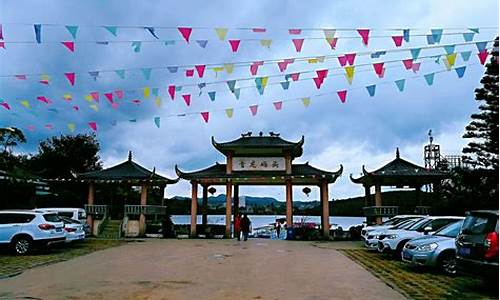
<point>10,137</point>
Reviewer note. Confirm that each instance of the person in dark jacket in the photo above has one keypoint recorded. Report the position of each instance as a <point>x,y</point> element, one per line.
<point>245,226</point>
<point>237,226</point>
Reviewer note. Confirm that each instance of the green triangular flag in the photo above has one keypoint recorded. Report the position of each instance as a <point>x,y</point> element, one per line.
<point>400,84</point>
<point>112,29</point>
<point>72,30</point>
<point>120,73</point>
<point>429,78</point>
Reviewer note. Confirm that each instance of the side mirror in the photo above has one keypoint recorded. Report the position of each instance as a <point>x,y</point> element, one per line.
<point>427,230</point>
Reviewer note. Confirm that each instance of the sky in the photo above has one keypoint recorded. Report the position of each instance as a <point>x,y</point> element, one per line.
<point>363,131</point>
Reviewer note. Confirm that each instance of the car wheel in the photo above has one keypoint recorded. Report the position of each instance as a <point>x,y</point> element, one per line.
<point>22,245</point>
<point>448,264</point>
<point>399,250</point>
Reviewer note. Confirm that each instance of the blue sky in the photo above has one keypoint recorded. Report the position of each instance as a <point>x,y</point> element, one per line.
<point>365,130</point>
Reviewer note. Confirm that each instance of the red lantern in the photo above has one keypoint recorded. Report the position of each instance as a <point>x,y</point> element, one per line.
<point>306,191</point>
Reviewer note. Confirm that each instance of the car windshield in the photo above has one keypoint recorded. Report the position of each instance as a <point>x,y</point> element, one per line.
<point>450,230</point>
<point>403,224</point>
<point>418,224</point>
<point>479,224</point>
<point>392,221</point>
<point>408,224</point>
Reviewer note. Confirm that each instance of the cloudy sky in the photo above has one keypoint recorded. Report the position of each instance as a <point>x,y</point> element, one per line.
<point>364,130</point>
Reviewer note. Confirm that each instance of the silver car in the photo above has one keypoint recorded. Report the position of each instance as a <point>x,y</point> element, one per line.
<point>436,251</point>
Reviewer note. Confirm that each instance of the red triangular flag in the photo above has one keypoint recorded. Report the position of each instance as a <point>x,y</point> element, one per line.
<point>342,95</point>
<point>189,73</point>
<point>294,31</point>
<point>185,32</point>
<point>322,74</point>
<point>278,105</point>
<point>171,91</point>
<point>379,68</point>
<point>119,94</point>
<point>318,82</point>
<point>205,116</point>
<point>295,76</point>
<point>2,45</point>
<point>282,65</point>
<point>398,40</point>
<point>408,63</point>
<point>234,45</point>
<point>109,96</point>
<point>200,69</point>
<point>298,44</point>
<point>350,58</point>
<point>364,35</point>
<point>69,45</point>
<point>95,96</point>
<point>483,55</point>
<point>415,67</point>
<point>253,109</point>
<point>332,42</point>
<point>342,60</point>
<point>93,125</point>
<point>254,68</point>
<point>136,101</point>
<point>70,77</point>
<point>6,105</point>
<point>187,99</point>
<point>21,77</point>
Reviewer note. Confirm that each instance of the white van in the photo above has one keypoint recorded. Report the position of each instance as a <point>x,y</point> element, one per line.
<point>77,214</point>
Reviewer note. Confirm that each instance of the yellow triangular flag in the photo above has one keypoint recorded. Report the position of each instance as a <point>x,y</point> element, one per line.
<point>229,112</point>
<point>312,61</point>
<point>89,98</point>
<point>229,68</point>
<point>25,103</point>
<point>158,101</point>
<point>67,97</point>
<point>451,59</point>
<point>147,92</point>
<point>217,70</point>
<point>306,101</point>
<point>71,127</point>
<point>329,33</point>
<point>94,107</point>
<point>349,73</point>
<point>266,43</point>
<point>264,81</point>
<point>221,33</point>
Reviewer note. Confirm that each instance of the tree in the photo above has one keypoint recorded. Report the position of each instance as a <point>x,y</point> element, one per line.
<point>10,137</point>
<point>482,151</point>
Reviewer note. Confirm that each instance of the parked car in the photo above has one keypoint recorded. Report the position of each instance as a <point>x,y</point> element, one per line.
<point>437,250</point>
<point>77,214</point>
<point>387,224</point>
<point>394,240</point>
<point>24,230</point>
<point>371,240</point>
<point>73,230</point>
<point>477,245</point>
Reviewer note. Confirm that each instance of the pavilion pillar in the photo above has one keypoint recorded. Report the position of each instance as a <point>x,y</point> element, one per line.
<point>325,216</point>
<point>418,199</point>
<point>367,195</point>
<point>142,216</point>
<point>204,206</point>
<point>194,207</point>
<point>378,201</point>
<point>289,203</point>
<point>236,201</point>
<point>90,201</point>
<point>229,189</point>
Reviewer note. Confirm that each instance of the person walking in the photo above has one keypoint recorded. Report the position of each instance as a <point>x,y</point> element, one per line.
<point>237,226</point>
<point>245,226</point>
<point>278,229</point>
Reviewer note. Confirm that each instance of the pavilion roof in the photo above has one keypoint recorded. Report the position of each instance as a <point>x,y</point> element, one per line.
<point>399,172</point>
<point>126,171</point>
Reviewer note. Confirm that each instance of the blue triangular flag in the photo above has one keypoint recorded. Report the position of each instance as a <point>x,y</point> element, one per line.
<point>169,43</point>
<point>476,30</point>
<point>202,43</point>
<point>72,30</point>
<point>38,33</point>
<point>449,49</point>
<point>157,121</point>
<point>133,120</point>
<point>120,73</point>
<point>94,74</point>
<point>172,69</point>
<point>460,71</point>
<point>415,52</point>
<point>377,54</point>
<point>400,84</point>
<point>371,90</point>
<point>465,55</point>
<point>436,34</point>
<point>430,39</point>
<point>285,85</point>
<point>469,36</point>
<point>152,31</point>
<point>53,109</point>
<point>406,35</point>
<point>211,95</point>
<point>102,43</point>
<point>481,46</point>
<point>237,93</point>
<point>146,72</point>
<point>231,84</point>
<point>112,29</point>
<point>178,88</point>
<point>155,91</point>
<point>429,78</point>
<point>201,85</point>
<point>136,45</point>
<point>258,85</point>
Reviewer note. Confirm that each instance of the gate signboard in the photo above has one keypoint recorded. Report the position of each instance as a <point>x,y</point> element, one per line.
<point>259,164</point>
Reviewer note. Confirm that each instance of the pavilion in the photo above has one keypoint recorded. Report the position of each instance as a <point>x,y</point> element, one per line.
<point>132,174</point>
<point>398,173</point>
<point>258,160</point>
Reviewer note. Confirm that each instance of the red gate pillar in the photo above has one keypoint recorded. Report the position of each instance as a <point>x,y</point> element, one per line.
<point>289,203</point>
<point>194,207</point>
<point>229,190</point>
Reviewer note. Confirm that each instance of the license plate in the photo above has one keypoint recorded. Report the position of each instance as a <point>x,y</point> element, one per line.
<point>464,251</point>
<point>58,229</point>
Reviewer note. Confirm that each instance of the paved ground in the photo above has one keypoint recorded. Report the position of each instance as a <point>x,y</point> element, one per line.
<point>203,269</point>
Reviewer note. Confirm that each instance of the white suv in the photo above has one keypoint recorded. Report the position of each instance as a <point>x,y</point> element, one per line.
<point>26,229</point>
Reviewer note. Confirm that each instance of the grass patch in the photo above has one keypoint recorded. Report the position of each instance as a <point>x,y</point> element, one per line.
<point>419,283</point>
<point>11,264</point>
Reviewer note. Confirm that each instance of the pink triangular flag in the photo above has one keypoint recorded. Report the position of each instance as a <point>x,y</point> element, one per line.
<point>119,94</point>
<point>171,91</point>
<point>1,32</point>
<point>136,101</point>
<point>379,68</point>
<point>234,45</point>
<point>189,72</point>
<point>408,63</point>
<point>2,45</point>
<point>253,69</point>
<point>76,108</point>
<point>109,96</point>
<point>6,105</point>
<point>298,44</point>
<point>200,69</point>
<point>322,73</point>
<point>258,29</point>
<point>364,33</point>
<point>185,32</point>
<point>187,99</point>
<point>332,42</point>
<point>278,105</point>
<point>43,99</point>
<point>381,75</point>
<point>93,125</point>
<point>95,96</point>
<point>318,82</point>
<point>415,67</point>
<point>205,115</point>
<point>350,58</point>
<point>20,77</point>
<point>398,40</point>
<point>342,60</point>
<point>294,31</point>
<point>253,109</point>
<point>342,95</point>
<point>483,55</point>
<point>69,45</point>
<point>70,77</point>
<point>114,105</point>
<point>282,65</point>
<point>295,76</point>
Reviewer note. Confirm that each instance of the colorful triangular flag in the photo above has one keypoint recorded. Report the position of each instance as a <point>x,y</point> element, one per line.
<point>69,45</point>
<point>185,32</point>
<point>460,71</point>
<point>234,45</point>
<point>306,101</point>
<point>371,89</point>
<point>253,109</point>
<point>70,77</point>
<point>429,78</point>
<point>298,44</point>
<point>111,29</point>
<point>400,84</point>
<point>72,30</point>
<point>278,105</point>
<point>205,115</point>
<point>221,33</point>
<point>202,43</point>
<point>364,33</point>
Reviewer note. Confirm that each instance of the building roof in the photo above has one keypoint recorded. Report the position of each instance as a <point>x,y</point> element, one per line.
<point>126,171</point>
<point>261,145</point>
<point>301,174</point>
<point>399,172</point>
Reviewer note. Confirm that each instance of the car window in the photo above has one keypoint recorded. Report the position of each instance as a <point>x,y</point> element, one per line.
<point>405,224</point>
<point>67,220</point>
<point>439,223</point>
<point>16,218</point>
<point>391,221</point>
<point>68,214</point>
<point>479,224</point>
<point>418,224</point>
<point>51,217</point>
<point>450,230</point>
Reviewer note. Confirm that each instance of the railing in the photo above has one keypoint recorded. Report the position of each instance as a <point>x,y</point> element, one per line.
<point>423,210</point>
<point>145,209</point>
<point>101,225</point>
<point>97,209</point>
<point>380,211</point>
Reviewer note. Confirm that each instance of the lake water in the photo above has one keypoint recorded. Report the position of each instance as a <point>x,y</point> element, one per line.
<point>262,220</point>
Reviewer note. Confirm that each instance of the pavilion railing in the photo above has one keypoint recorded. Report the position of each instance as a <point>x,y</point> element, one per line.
<point>380,211</point>
<point>97,209</point>
<point>423,210</point>
<point>145,209</point>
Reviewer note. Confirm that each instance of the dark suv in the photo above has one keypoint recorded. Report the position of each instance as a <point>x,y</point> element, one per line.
<point>477,244</point>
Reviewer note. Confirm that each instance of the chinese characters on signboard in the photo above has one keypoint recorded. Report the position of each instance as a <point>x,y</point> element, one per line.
<point>259,164</point>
